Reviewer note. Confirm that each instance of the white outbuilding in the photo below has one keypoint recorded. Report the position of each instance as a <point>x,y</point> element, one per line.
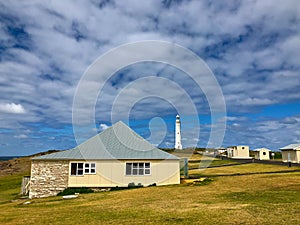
<point>262,153</point>
<point>238,152</point>
<point>291,153</point>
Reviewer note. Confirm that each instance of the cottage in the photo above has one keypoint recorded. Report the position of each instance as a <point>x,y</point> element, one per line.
<point>116,157</point>
<point>238,152</point>
<point>262,153</point>
<point>291,153</point>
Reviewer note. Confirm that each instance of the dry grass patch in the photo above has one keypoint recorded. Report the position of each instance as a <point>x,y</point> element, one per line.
<point>195,157</point>
<point>250,168</point>
<point>15,166</point>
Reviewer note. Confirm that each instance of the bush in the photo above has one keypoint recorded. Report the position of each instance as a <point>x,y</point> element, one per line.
<point>72,191</point>
<point>278,155</point>
<point>130,186</point>
<point>133,185</point>
<point>200,182</point>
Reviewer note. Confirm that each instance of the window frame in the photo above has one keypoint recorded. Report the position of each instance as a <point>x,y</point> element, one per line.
<point>75,170</point>
<point>91,169</point>
<point>136,169</point>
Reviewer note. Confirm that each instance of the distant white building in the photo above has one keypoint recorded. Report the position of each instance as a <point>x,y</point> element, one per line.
<point>220,151</point>
<point>178,144</point>
<point>262,153</point>
<point>291,153</point>
<point>238,152</point>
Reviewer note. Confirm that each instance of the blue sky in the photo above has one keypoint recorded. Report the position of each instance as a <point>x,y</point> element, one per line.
<point>252,48</point>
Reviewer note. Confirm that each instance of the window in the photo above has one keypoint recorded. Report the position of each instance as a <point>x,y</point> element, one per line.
<point>264,153</point>
<point>90,168</point>
<point>138,168</point>
<point>79,169</point>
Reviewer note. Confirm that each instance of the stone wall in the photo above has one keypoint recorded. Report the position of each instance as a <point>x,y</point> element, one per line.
<point>48,178</point>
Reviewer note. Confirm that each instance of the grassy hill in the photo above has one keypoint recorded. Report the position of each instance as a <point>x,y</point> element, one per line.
<point>238,194</point>
<point>19,166</point>
<point>15,166</point>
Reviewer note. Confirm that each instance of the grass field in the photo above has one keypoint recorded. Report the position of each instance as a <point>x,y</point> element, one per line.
<point>239,194</point>
<point>194,164</point>
<point>243,169</point>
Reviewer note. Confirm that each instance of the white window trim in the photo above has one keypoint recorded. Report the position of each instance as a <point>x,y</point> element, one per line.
<point>89,168</point>
<point>77,175</point>
<point>83,172</point>
<point>138,175</point>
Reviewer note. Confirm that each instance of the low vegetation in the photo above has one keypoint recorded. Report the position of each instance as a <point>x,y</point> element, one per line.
<point>72,191</point>
<point>238,194</point>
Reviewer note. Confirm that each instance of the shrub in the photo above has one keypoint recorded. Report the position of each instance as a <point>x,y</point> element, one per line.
<point>133,185</point>
<point>72,191</point>
<point>278,155</point>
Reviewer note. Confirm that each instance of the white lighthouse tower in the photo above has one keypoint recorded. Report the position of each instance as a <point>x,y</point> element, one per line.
<point>177,133</point>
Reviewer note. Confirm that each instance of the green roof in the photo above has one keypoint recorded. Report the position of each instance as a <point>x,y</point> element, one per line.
<point>116,142</point>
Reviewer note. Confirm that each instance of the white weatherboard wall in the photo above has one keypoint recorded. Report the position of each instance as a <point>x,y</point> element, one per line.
<point>112,173</point>
<point>291,155</point>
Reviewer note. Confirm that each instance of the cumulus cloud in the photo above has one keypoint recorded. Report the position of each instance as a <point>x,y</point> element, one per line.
<point>12,108</point>
<point>103,126</point>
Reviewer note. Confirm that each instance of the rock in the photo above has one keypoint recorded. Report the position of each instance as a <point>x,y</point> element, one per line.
<point>70,196</point>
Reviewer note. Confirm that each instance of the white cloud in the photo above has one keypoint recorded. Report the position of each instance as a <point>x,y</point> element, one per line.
<point>12,108</point>
<point>103,126</point>
<point>21,136</point>
<point>271,133</point>
<point>256,101</point>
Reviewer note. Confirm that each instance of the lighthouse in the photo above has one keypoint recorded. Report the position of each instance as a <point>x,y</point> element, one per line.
<point>177,133</point>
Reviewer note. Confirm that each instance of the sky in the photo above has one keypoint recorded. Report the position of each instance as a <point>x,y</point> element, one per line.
<point>251,47</point>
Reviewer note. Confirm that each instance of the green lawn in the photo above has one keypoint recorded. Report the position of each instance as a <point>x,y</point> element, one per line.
<point>10,187</point>
<point>259,198</point>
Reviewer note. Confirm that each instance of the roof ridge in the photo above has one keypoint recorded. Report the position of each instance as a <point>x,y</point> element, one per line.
<point>118,141</point>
